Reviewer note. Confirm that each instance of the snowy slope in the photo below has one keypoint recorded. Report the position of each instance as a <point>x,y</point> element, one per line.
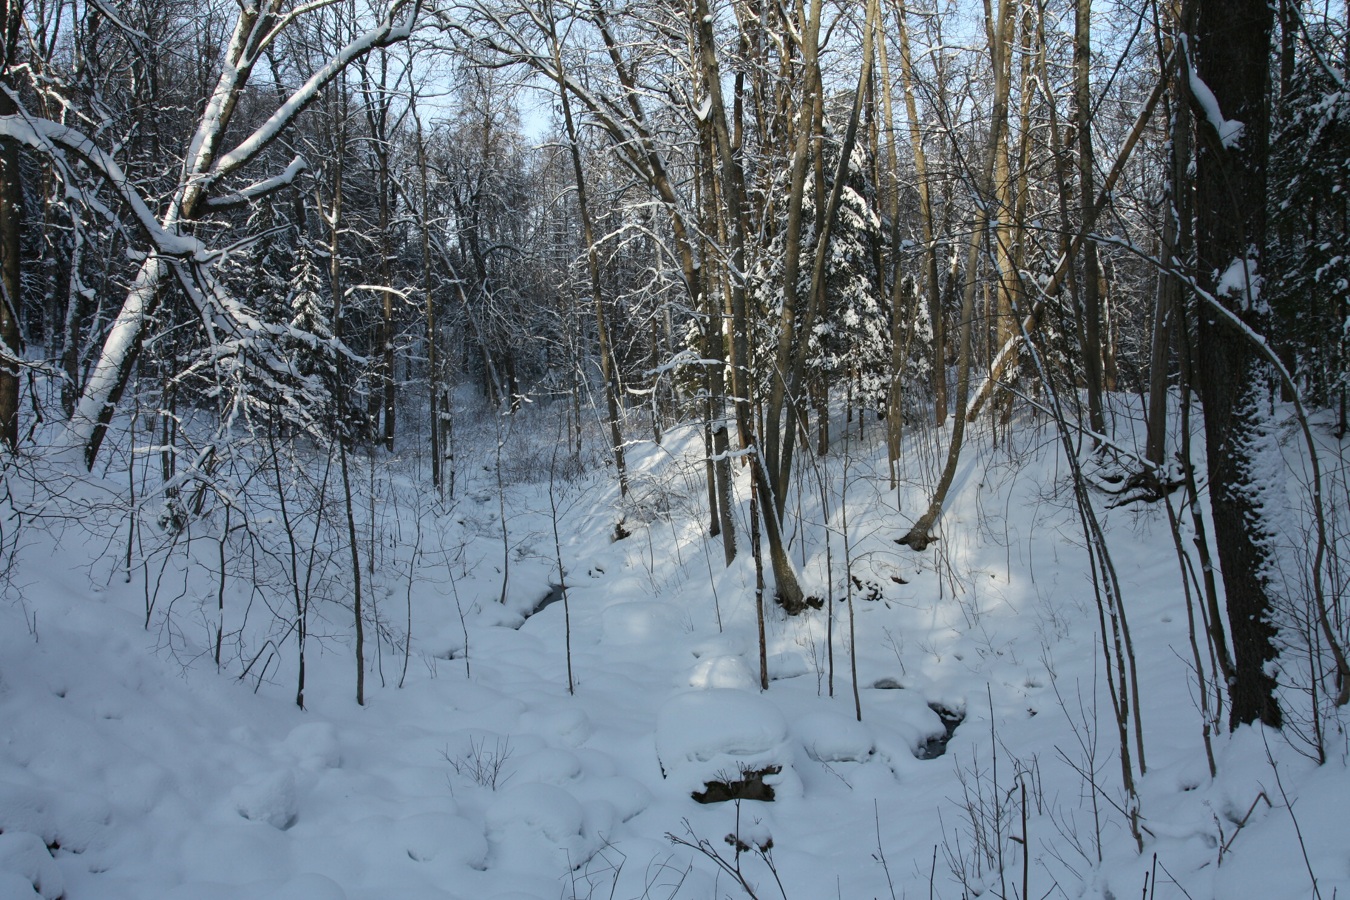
<point>131,767</point>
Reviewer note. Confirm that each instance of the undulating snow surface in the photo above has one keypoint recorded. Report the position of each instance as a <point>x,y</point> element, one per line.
<point>133,768</point>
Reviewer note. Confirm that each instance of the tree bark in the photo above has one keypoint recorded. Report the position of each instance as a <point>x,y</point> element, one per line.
<point>1174,252</point>
<point>932,283</point>
<point>1091,284</point>
<point>429,303</point>
<point>1000,39</point>
<point>607,371</point>
<point>1232,58</point>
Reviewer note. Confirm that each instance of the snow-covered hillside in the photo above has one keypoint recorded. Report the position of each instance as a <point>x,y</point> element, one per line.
<point>134,767</point>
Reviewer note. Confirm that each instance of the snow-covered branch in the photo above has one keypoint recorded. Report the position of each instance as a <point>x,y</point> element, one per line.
<point>390,31</point>
<point>260,189</point>
<point>51,139</point>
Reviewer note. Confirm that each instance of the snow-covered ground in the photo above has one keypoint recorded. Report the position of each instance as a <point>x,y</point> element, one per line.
<point>132,767</point>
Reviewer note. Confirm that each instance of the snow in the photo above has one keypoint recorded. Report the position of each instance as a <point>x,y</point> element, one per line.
<point>533,819</point>
<point>718,734</point>
<point>27,869</point>
<point>723,672</point>
<point>830,736</point>
<point>132,768</point>
<point>1229,130</point>
<point>1241,280</point>
<point>313,745</point>
<point>269,798</point>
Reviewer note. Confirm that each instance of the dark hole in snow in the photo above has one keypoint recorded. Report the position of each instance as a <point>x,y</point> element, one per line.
<point>888,684</point>
<point>937,745</point>
<point>555,593</point>
<point>751,786</point>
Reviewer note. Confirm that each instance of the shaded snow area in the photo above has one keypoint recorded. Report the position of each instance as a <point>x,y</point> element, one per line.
<point>134,767</point>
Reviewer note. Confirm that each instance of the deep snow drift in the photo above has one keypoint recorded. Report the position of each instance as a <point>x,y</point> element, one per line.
<point>132,766</point>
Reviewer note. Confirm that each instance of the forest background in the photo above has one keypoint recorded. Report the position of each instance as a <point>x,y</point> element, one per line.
<point>248,249</point>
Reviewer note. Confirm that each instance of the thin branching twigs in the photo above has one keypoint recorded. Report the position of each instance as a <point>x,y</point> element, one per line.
<point>1106,588</point>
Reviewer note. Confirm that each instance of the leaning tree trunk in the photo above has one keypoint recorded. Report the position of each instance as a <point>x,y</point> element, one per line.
<point>920,534</point>
<point>1232,47</point>
<point>786,584</point>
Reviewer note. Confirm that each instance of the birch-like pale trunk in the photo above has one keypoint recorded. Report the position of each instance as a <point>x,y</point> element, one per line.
<point>256,29</point>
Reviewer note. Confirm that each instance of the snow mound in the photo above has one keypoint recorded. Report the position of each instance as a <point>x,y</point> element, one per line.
<point>27,868</point>
<point>444,641</point>
<point>232,851</point>
<point>725,644</point>
<point>833,737</point>
<point>314,746</point>
<point>309,886</point>
<point>722,672</point>
<point>551,765</point>
<point>268,798</point>
<point>528,821</point>
<point>437,837</point>
<point>627,795</point>
<point>72,820</point>
<point>639,623</point>
<point>787,665</point>
<point>717,734</point>
<point>570,727</point>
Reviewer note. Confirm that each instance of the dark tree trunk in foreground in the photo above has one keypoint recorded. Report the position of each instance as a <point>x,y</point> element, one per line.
<point>1232,57</point>
<point>11,221</point>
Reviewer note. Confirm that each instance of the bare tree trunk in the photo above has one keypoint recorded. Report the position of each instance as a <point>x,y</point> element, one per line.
<point>932,282</point>
<point>429,301</point>
<point>333,218</point>
<point>796,322</point>
<point>1005,248</point>
<point>377,100</point>
<point>356,577</point>
<point>1001,34</point>
<point>716,305</point>
<point>607,370</point>
<point>1091,284</point>
<point>1174,253</point>
<point>11,225</point>
<point>1011,184</point>
<point>1232,46</point>
<point>11,301</point>
<point>1063,268</point>
<point>786,584</point>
